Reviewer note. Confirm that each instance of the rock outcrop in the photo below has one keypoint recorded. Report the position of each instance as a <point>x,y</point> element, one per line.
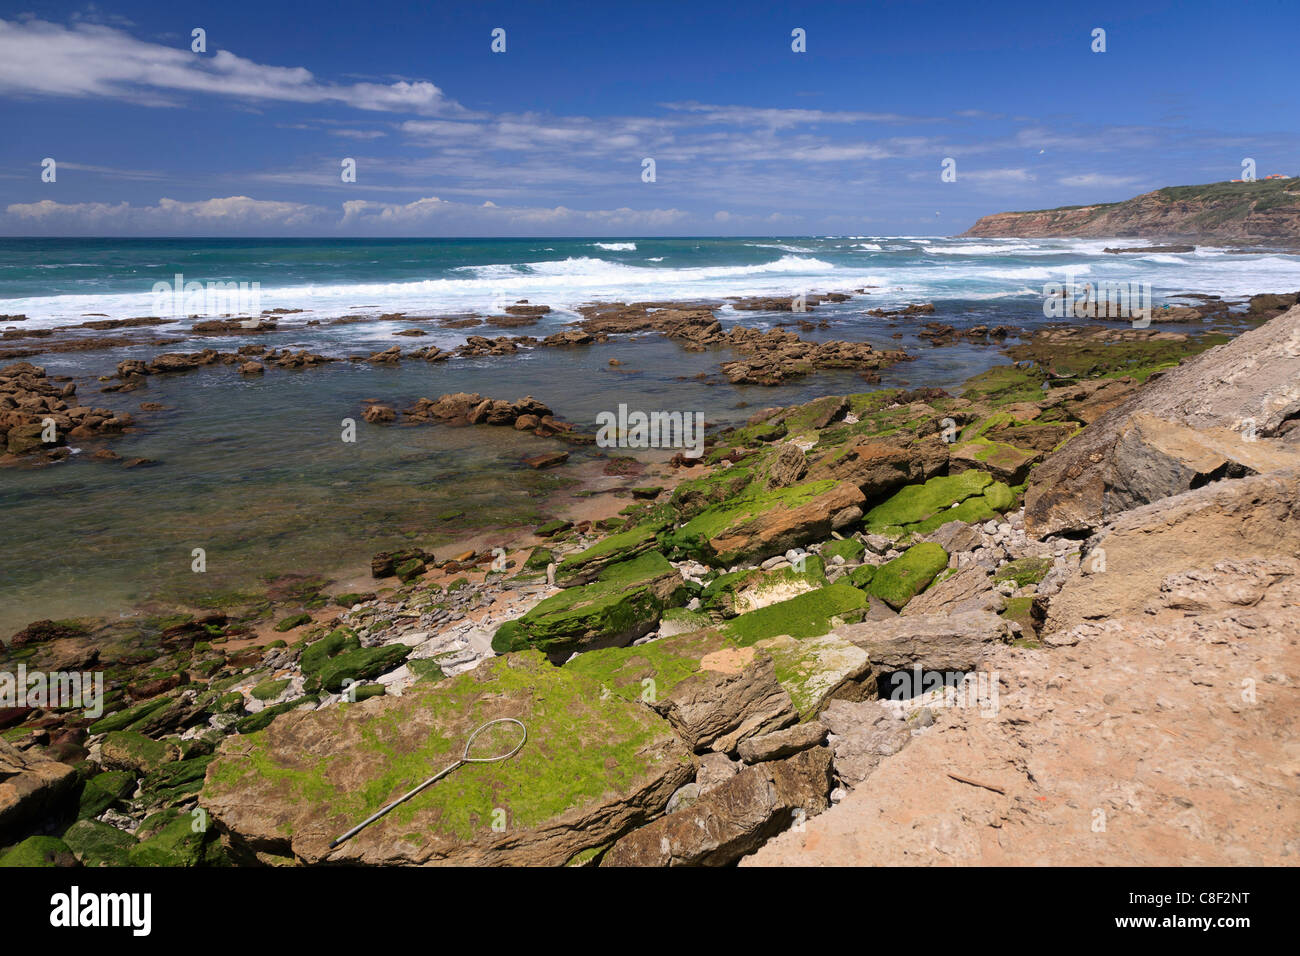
<point>1156,726</point>
<point>1263,209</point>
<point>1229,412</point>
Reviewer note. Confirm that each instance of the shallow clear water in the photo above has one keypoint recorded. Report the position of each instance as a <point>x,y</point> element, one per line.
<point>254,472</point>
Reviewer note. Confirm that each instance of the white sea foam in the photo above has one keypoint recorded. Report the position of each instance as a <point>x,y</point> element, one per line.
<point>616,246</point>
<point>995,269</point>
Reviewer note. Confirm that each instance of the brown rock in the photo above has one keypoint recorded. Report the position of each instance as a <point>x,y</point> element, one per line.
<point>1191,426</point>
<point>733,819</point>
<point>379,414</point>
<point>782,743</point>
<point>734,695</point>
<point>550,459</point>
<point>32,787</point>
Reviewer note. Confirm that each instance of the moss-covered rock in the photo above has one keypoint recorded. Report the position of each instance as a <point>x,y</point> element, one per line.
<point>269,689</point>
<point>39,851</point>
<point>692,496</point>
<point>103,791</point>
<point>367,691</point>
<point>425,669</point>
<point>1005,384</point>
<point>861,576</point>
<point>816,670</point>
<point>917,510</point>
<point>594,766</point>
<point>539,559</point>
<point>624,602</point>
<point>338,658</point>
<point>260,720</point>
<point>898,581</point>
<point>808,615</point>
<point>914,503</point>
<point>585,566</point>
<point>678,620</point>
<point>231,703</point>
<point>1021,611</point>
<point>1023,571</point>
<point>123,719</point>
<point>173,782</point>
<point>650,671</point>
<point>762,522</point>
<point>173,838</point>
<point>551,528</point>
<point>742,591</point>
<point>292,621</point>
<point>98,844</point>
<point>128,750</point>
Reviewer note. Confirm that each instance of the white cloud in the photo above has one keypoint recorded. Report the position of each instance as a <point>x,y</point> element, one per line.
<point>244,215</point>
<point>86,59</point>
<point>230,213</point>
<point>1097,180</point>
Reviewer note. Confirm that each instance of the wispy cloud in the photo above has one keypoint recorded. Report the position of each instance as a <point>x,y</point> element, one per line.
<point>236,215</point>
<point>94,60</point>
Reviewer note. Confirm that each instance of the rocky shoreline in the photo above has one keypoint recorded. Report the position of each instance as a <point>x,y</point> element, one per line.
<point>30,400</point>
<point>712,673</point>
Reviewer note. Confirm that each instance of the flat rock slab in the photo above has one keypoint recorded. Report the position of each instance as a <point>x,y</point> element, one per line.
<point>782,743</point>
<point>594,767</point>
<point>936,642</point>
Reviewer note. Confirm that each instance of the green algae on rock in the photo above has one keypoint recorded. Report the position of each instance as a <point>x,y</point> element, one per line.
<point>760,522</point>
<point>649,672</point>
<point>921,508</point>
<point>816,670</point>
<point>98,844</point>
<point>594,766</point>
<point>170,838</point>
<point>339,659</point>
<point>39,851</point>
<point>585,566</point>
<point>808,615</point>
<point>898,581</point>
<point>128,750</point>
<point>743,591</point>
<point>104,790</point>
<point>623,603</point>
<point>850,549</point>
<point>1023,571</point>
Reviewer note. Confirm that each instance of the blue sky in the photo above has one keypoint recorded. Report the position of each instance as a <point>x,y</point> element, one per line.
<point>549,137</point>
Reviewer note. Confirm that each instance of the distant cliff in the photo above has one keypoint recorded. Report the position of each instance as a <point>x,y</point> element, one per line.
<point>1265,209</point>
